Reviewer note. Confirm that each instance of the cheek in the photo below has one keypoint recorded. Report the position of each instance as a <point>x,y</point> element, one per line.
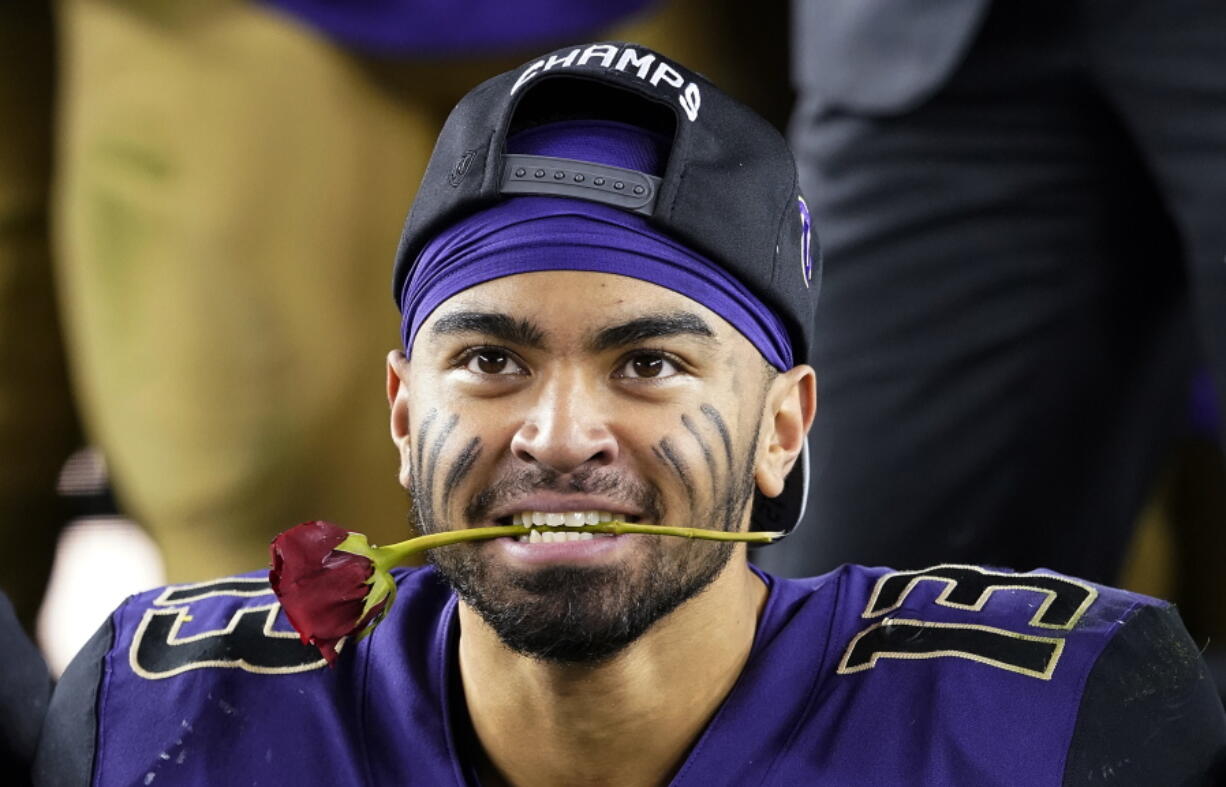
<point>495,425</point>
<point>739,403</point>
<point>452,443</point>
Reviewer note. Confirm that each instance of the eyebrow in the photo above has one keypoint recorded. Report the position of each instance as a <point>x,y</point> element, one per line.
<point>652,326</point>
<point>496,324</point>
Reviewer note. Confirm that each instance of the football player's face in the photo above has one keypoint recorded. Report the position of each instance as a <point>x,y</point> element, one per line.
<point>570,397</point>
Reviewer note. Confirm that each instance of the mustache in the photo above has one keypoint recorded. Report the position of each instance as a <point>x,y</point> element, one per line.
<point>640,494</point>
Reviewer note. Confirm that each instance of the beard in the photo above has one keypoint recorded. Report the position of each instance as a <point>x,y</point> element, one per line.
<point>581,614</point>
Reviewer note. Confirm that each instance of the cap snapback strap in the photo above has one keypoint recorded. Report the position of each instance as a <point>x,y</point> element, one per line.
<point>627,189</point>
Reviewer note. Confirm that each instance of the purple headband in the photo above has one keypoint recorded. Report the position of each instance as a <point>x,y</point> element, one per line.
<point>526,234</point>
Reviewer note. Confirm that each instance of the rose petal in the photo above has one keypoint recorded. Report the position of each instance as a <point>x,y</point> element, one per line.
<point>323,591</point>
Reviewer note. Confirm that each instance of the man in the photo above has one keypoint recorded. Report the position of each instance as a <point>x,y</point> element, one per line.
<point>607,286</point>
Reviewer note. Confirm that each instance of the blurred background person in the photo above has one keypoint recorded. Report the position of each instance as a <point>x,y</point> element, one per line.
<point>1021,209</point>
<point>25,693</point>
<point>191,248</point>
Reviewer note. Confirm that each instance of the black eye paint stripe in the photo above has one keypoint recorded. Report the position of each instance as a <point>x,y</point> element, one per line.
<point>423,500</point>
<point>436,448</point>
<point>421,495</point>
<point>702,443</point>
<point>719,485</point>
<point>664,451</point>
<point>461,466</point>
<point>421,438</point>
<point>713,415</point>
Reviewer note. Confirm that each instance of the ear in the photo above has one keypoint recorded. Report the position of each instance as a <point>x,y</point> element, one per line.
<point>398,401</point>
<point>791,403</point>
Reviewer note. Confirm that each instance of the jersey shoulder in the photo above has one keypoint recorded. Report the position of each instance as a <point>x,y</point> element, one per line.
<point>232,622</point>
<point>1025,622</point>
<point>187,668</point>
<point>229,623</point>
<point>1039,599</point>
<point>1105,666</point>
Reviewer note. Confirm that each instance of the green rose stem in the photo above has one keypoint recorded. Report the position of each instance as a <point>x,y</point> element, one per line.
<point>395,554</point>
<point>385,558</point>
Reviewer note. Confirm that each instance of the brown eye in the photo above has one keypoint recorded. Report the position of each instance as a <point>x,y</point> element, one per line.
<point>648,366</point>
<point>492,361</point>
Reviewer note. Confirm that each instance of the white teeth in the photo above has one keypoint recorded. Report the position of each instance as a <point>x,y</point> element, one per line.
<point>564,518</point>
<point>561,537</point>
<point>546,519</point>
<point>557,537</point>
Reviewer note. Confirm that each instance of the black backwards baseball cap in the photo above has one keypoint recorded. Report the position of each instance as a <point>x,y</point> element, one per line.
<point>727,188</point>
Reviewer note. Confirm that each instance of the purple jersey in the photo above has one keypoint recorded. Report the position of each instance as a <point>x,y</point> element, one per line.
<point>951,675</point>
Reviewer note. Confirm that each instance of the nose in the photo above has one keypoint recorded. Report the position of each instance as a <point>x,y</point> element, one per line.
<point>565,429</point>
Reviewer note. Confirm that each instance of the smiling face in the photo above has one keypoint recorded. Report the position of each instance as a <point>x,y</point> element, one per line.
<point>568,397</point>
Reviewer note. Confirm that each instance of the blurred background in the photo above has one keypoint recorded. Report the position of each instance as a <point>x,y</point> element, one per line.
<point>1024,308</point>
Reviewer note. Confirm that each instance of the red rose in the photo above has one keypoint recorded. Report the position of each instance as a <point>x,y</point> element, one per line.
<point>327,593</point>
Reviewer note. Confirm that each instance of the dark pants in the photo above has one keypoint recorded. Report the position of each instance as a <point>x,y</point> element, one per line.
<point>1017,274</point>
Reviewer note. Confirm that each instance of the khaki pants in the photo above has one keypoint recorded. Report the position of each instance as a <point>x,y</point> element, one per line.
<point>229,192</point>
